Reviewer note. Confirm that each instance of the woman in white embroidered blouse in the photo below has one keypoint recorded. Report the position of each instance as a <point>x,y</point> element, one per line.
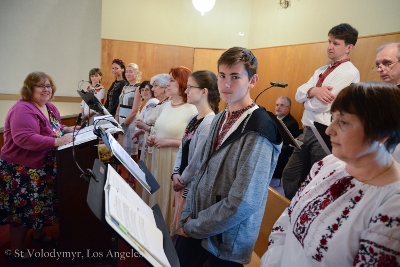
<point>347,212</point>
<point>95,76</point>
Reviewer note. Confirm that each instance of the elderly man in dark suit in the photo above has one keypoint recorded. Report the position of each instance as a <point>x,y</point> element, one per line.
<point>282,111</point>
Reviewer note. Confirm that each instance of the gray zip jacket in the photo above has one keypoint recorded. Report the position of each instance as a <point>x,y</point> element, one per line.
<point>228,196</point>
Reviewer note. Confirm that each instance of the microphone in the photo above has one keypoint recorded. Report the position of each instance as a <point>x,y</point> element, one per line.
<point>283,85</point>
<point>114,123</point>
<point>273,84</point>
<point>80,83</point>
<point>85,123</point>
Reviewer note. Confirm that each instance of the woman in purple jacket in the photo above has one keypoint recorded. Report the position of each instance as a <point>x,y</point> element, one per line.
<point>32,131</point>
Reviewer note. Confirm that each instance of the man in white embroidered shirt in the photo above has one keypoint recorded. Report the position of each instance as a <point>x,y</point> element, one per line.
<point>317,96</point>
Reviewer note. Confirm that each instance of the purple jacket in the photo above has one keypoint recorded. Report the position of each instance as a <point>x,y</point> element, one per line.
<point>27,134</point>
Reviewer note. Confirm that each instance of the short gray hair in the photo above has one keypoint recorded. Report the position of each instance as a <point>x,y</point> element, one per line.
<point>287,100</point>
<point>390,44</point>
<point>162,79</point>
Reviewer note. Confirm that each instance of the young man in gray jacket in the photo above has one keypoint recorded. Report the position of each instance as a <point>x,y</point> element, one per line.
<point>225,206</point>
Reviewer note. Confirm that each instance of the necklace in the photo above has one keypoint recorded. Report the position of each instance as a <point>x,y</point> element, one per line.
<point>388,168</point>
<point>203,115</point>
<point>177,105</point>
<point>116,84</point>
<point>162,102</point>
<point>131,85</point>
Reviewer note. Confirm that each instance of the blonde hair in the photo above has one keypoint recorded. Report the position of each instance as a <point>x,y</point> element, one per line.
<point>139,73</point>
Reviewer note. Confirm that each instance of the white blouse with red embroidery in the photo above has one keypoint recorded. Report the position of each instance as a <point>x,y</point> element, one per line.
<point>336,220</point>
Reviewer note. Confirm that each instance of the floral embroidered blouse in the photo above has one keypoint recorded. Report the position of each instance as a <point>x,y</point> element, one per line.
<point>336,220</point>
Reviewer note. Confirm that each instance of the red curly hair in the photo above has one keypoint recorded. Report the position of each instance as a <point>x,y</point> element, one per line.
<point>181,75</point>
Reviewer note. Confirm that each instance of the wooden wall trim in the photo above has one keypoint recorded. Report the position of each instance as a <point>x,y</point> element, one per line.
<point>12,97</point>
<point>68,120</point>
<point>67,99</point>
<point>324,42</point>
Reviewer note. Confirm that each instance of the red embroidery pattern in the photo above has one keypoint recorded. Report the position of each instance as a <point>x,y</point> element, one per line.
<point>314,207</point>
<point>323,244</point>
<point>386,219</point>
<point>328,71</point>
<point>229,123</point>
<point>275,229</point>
<point>372,254</point>
<point>320,164</point>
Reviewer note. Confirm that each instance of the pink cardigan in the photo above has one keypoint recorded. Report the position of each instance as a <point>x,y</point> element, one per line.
<point>27,134</point>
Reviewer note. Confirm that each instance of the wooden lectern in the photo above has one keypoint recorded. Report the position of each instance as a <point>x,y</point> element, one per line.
<point>80,230</point>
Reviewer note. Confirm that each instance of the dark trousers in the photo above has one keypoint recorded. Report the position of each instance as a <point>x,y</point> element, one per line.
<point>300,163</point>
<point>192,254</point>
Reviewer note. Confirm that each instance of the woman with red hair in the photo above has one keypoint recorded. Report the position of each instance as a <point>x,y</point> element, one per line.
<point>166,138</point>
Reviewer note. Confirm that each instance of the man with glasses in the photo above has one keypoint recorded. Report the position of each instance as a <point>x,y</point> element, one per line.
<point>282,111</point>
<point>387,63</point>
<point>388,67</point>
<point>317,96</point>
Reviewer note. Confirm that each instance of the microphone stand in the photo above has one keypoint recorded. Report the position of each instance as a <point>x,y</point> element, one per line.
<point>255,100</point>
<point>84,175</point>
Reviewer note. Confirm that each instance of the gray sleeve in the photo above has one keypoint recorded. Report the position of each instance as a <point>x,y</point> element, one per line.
<point>246,195</point>
<point>178,160</point>
<point>196,150</point>
<point>186,212</point>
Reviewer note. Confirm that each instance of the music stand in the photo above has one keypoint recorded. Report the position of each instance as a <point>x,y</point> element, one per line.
<point>150,180</point>
<point>96,202</point>
<point>285,133</point>
<point>93,103</point>
<point>324,139</point>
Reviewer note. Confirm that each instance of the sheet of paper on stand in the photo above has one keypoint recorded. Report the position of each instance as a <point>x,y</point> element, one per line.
<point>125,190</point>
<point>120,153</point>
<point>106,122</point>
<point>86,134</point>
<point>80,137</point>
<point>131,218</point>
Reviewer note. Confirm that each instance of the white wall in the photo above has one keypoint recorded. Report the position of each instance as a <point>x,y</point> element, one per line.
<point>176,22</point>
<point>63,107</point>
<point>307,21</point>
<point>61,38</point>
<point>263,22</point>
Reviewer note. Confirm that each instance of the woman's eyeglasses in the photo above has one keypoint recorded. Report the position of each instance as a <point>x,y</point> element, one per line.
<point>189,87</point>
<point>42,86</point>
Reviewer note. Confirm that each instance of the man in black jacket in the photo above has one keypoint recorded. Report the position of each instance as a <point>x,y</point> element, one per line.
<point>282,111</point>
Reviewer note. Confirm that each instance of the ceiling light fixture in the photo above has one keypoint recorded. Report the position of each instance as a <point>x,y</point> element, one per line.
<point>203,5</point>
<point>284,3</point>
